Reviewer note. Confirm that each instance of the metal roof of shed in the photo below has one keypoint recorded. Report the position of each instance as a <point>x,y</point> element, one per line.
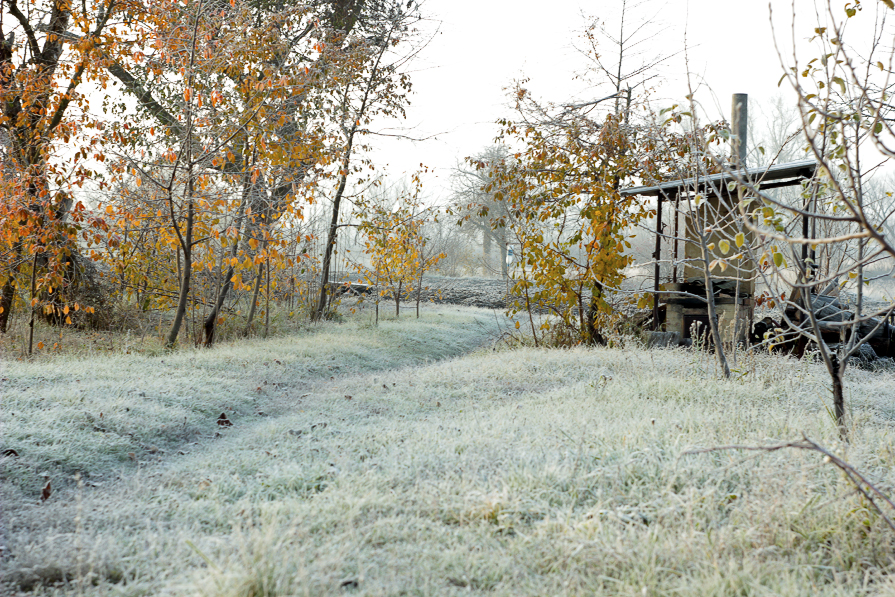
<point>796,171</point>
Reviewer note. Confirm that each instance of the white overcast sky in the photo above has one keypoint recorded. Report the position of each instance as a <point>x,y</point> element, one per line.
<point>481,46</point>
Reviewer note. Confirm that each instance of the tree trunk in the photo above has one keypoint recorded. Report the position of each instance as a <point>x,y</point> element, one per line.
<point>211,320</point>
<point>252,306</point>
<point>593,336</point>
<point>7,297</point>
<point>267,300</point>
<point>186,274</point>
<point>486,251</point>
<point>210,323</point>
<point>331,239</point>
<point>503,256</point>
<point>398,299</point>
<point>713,313</point>
<point>419,290</point>
<point>33,292</point>
<point>713,322</point>
<point>837,375</point>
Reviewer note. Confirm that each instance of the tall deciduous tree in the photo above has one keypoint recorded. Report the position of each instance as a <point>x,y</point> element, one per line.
<point>48,51</point>
<point>482,215</point>
<point>562,193</point>
<point>378,88</point>
<point>256,86</point>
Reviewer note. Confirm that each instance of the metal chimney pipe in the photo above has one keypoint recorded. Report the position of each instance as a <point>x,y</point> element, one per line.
<point>739,121</point>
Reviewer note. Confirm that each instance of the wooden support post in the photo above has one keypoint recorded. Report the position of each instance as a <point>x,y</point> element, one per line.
<point>657,255</point>
<point>677,219</point>
<point>739,117</point>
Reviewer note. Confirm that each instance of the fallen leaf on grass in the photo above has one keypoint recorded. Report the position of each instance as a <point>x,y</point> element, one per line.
<point>45,494</point>
<point>223,421</point>
<point>10,452</point>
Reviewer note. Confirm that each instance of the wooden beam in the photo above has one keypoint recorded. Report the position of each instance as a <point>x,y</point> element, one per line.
<point>657,255</point>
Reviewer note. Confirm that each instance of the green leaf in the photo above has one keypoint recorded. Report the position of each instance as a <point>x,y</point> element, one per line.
<point>878,128</point>
<point>778,259</point>
<point>841,84</point>
<point>724,246</point>
<point>781,80</point>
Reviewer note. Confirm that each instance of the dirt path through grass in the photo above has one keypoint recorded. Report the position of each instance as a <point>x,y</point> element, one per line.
<point>105,417</point>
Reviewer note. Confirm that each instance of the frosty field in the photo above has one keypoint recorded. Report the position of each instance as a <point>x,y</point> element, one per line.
<point>414,459</point>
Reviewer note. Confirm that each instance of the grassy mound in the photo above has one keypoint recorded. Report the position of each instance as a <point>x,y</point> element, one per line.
<point>526,472</point>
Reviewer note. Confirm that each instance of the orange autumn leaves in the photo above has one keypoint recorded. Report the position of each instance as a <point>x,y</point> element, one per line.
<point>237,124</point>
<point>566,216</point>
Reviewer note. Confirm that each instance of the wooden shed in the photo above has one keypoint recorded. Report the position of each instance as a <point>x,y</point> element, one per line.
<point>734,291</point>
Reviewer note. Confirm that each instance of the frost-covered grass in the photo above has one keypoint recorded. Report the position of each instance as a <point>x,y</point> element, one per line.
<point>96,414</point>
<point>525,472</point>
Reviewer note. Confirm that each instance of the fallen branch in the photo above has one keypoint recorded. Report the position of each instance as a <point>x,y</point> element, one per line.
<point>860,482</point>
